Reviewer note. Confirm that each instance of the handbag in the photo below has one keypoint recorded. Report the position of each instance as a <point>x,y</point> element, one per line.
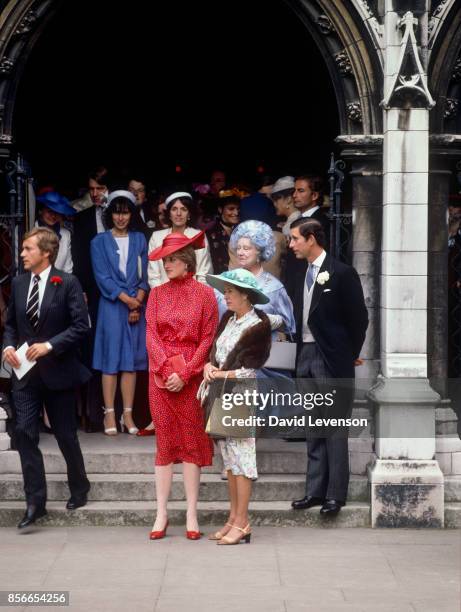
<point>176,363</point>
<point>215,427</point>
<point>282,356</point>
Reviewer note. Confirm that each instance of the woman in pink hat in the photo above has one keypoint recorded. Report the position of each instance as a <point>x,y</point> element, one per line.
<point>182,317</point>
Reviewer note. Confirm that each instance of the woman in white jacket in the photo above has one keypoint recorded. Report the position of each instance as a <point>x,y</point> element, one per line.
<point>181,213</point>
<point>53,207</point>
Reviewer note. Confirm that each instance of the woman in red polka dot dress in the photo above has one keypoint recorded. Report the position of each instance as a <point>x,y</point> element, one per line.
<point>182,317</point>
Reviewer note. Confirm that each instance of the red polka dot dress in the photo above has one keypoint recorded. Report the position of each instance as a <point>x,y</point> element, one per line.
<point>182,318</point>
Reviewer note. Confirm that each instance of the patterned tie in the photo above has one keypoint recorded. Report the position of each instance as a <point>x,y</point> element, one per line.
<point>32,304</point>
<point>310,277</point>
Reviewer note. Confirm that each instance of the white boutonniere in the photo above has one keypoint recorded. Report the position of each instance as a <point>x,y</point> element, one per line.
<point>323,277</point>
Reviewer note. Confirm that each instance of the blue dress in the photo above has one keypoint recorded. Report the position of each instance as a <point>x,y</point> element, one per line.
<point>119,346</point>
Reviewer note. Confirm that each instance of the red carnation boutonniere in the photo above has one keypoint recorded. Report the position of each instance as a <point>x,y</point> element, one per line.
<point>56,280</point>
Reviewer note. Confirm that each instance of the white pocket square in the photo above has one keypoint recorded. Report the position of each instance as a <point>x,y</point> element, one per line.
<point>326,290</point>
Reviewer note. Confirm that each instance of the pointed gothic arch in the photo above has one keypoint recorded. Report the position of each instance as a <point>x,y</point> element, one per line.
<point>347,39</point>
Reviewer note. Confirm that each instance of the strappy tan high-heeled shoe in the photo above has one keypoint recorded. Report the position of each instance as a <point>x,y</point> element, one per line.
<point>217,535</point>
<point>245,536</point>
<point>109,431</point>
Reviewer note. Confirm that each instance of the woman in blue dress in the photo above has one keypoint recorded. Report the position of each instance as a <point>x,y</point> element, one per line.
<point>119,259</point>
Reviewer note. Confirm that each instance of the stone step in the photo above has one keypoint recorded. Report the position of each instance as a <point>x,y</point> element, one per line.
<point>125,454</point>
<point>140,487</point>
<point>277,514</point>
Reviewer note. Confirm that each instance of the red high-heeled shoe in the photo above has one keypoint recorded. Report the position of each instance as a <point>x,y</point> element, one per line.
<point>158,535</point>
<point>193,535</point>
<point>146,432</point>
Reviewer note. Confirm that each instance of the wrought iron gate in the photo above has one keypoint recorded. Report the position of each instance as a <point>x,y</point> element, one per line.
<point>14,215</point>
<point>340,221</point>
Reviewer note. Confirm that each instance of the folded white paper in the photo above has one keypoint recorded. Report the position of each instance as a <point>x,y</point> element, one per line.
<point>26,365</point>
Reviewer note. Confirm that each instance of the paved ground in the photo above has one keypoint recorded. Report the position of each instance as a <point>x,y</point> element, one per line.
<point>283,570</point>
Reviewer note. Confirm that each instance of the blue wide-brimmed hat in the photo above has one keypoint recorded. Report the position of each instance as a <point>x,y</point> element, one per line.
<point>241,278</point>
<point>56,202</point>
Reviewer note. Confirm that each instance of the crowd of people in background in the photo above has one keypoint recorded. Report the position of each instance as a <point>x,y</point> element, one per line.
<point>112,217</point>
<point>182,288</point>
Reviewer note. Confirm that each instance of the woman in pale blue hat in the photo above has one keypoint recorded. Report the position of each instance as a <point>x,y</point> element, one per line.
<point>253,242</point>
<point>53,207</point>
<point>242,345</point>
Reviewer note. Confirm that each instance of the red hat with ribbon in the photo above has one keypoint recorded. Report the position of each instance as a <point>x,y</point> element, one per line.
<point>175,242</point>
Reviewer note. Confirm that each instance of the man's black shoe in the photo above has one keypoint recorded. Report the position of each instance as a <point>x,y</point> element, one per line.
<point>331,507</point>
<point>76,502</point>
<point>307,502</point>
<point>31,515</point>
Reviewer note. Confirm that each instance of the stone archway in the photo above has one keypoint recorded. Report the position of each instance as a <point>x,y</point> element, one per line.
<point>346,39</point>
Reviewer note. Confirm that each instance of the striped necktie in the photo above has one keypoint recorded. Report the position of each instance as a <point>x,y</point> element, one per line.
<point>32,304</point>
<point>310,276</point>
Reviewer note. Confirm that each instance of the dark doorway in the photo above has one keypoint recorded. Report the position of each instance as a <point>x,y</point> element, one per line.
<point>154,86</point>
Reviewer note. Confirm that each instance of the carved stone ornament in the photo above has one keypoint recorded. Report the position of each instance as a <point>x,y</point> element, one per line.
<point>456,76</point>
<point>451,108</point>
<point>26,24</point>
<point>354,111</point>
<point>435,19</point>
<point>6,66</point>
<point>365,7</point>
<point>408,88</point>
<point>343,62</point>
<point>325,25</point>
<point>439,8</point>
<point>370,140</point>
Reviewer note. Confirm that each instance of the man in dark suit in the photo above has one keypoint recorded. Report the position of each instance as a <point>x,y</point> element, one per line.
<point>331,321</point>
<point>46,310</point>
<point>144,222</point>
<point>87,224</point>
<point>308,199</point>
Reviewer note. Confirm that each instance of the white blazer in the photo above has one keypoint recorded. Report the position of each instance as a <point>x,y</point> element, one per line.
<point>155,271</point>
<point>64,259</point>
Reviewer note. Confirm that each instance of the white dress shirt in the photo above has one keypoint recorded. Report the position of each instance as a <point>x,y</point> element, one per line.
<point>310,212</point>
<point>316,265</point>
<point>41,291</point>
<point>41,286</point>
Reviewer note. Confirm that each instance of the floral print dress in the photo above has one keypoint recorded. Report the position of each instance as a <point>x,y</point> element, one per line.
<point>239,454</point>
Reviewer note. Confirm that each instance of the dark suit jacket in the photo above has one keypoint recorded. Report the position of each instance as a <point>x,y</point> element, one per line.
<point>63,322</point>
<point>338,317</point>
<point>139,225</point>
<point>85,229</point>
<point>320,216</point>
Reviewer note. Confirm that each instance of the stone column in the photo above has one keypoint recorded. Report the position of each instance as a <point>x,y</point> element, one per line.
<point>406,481</point>
<point>363,155</point>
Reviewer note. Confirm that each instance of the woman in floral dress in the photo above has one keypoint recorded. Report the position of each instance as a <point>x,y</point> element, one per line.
<point>242,345</point>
